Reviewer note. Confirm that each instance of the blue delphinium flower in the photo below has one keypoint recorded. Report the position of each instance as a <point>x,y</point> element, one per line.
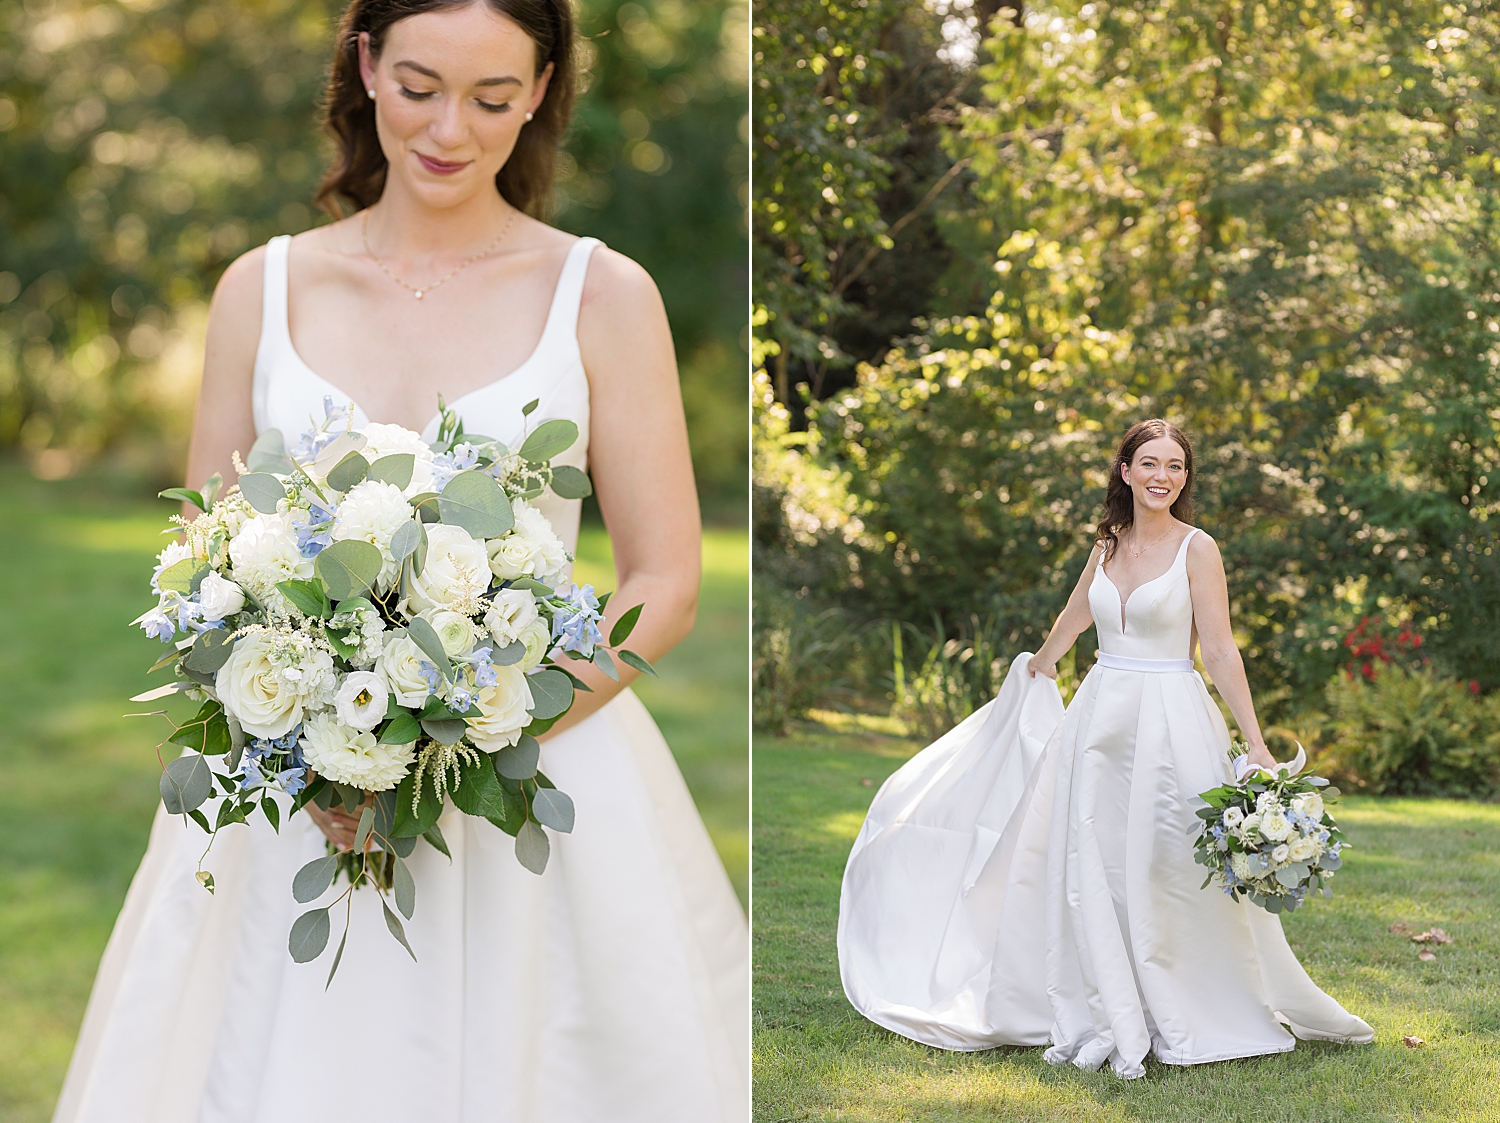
<point>430,675</point>
<point>158,625</point>
<point>249,773</point>
<point>315,529</point>
<point>446,465</point>
<point>319,437</point>
<point>484,668</point>
<point>292,780</point>
<point>576,625</point>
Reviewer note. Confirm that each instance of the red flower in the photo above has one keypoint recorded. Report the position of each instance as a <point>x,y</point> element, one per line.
<point>1473,686</point>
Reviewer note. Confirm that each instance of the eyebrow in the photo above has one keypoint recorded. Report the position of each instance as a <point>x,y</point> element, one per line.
<point>420,69</point>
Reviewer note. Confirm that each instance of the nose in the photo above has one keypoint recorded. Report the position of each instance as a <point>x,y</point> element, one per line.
<point>447,128</point>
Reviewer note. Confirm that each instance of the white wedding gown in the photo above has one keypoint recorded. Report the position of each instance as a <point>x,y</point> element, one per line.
<point>614,987</point>
<point>1029,877</point>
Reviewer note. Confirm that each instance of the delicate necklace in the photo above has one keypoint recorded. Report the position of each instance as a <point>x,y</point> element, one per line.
<point>1153,542</point>
<point>364,231</point>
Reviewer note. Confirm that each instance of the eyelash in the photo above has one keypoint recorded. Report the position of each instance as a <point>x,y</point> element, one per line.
<point>413,95</point>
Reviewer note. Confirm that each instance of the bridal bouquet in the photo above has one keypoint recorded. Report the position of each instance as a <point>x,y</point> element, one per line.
<point>1270,838</point>
<point>371,620</point>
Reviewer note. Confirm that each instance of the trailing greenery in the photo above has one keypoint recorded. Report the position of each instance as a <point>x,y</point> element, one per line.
<point>144,144</point>
<point>1271,222</point>
<point>1417,862</point>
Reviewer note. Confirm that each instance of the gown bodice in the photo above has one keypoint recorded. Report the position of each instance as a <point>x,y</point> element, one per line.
<point>1158,615</point>
<point>288,395</point>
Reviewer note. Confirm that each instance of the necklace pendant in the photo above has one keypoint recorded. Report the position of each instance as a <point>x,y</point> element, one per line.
<point>419,294</point>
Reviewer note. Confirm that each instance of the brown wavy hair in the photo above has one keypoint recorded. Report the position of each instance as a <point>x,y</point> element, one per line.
<point>1119,502</point>
<point>356,177</point>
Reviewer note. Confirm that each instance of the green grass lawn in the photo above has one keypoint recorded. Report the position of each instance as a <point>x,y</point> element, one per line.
<point>1425,862</point>
<point>78,780</point>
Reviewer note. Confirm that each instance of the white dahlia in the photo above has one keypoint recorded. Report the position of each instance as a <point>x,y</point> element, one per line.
<point>264,553</point>
<point>372,512</point>
<point>353,756</point>
<point>388,440</point>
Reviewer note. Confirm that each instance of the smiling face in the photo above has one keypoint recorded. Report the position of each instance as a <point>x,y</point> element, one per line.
<point>452,90</point>
<point>1157,475</point>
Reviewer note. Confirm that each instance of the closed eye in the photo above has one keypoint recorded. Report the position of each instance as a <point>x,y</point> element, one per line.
<point>415,96</point>
<point>494,108</point>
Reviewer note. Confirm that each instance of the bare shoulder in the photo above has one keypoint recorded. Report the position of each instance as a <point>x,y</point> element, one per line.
<point>618,287</point>
<point>235,314</point>
<point>1204,551</point>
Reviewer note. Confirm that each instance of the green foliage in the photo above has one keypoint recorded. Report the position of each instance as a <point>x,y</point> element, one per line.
<point>1411,733</point>
<point>1275,227</point>
<point>950,677</point>
<point>797,658</point>
<point>145,144</point>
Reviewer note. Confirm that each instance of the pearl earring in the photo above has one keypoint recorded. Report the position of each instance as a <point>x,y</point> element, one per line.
<point>371,92</point>
<point>528,116</point>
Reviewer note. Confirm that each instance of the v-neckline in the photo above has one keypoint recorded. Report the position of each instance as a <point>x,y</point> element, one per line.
<point>1125,600</point>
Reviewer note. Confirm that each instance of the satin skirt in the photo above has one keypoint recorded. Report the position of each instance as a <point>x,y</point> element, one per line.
<point>613,987</point>
<point>1028,879</point>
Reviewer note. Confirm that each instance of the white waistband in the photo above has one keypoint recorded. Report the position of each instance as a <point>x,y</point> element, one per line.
<point>1150,666</point>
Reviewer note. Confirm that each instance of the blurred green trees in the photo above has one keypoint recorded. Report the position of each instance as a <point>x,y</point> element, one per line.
<point>1272,221</point>
<point>146,143</point>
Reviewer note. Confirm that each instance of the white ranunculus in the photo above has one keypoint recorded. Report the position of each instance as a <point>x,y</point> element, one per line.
<point>455,574</point>
<point>353,756</point>
<point>1233,817</point>
<point>400,664</point>
<point>361,701</point>
<point>1303,849</point>
<point>220,597</point>
<point>530,549</point>
<point>1309,804</point>
<point>1275,825</point>
<point>538,640</point>
<point>265,553</point>
<point>504,708</point>
<point>388,440</point>
<point>372,512</point>
<point>1281,854</point>
<point>255,692</point>
<point>454,630</point>
<point>512,611</point>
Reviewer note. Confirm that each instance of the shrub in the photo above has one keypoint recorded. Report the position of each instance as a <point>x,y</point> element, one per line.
<point>797,659</point>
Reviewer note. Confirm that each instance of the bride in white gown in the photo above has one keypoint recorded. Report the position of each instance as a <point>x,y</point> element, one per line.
<point>615,986</point>
<point>1029,878</point>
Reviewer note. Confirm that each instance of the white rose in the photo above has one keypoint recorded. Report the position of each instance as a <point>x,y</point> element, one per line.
<point>400,665</point>
<point>265,553</point>
<point>456,572</point>
<point>503,708</point>
<point>1303,849</point>
<point>219,597</point>
<point>362,701</point>
<point>512,611</point>
<point>1275,825</point>
<point>1233,817</point>
<point>372,512</point>
<point>1309,804</point>
<point>388,440</point>
<point>253,691</point>
<point>1281,853</point>
<point>531,549</point>
<point>538,640</point>
<point>454,630</point>
<point>1251,823</point>
<point>352,756</point>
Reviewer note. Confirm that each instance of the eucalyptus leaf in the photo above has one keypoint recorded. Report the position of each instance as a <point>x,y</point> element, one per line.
<point>313,879</point>
<point>553,808</point>
<point>511,653</point>
<point>395,469</point>
<point>309,936</point>
<point>569,482</point>
<point>385,816</point>
<point>425,636</point>
<point>262,491</point>
<point>445,731</point>
<point>340,447</point>
<point>366,824</point>
<point>396,930</point>
<point>477,503</point>
<point>551,693</point>
<point>404,888</point>
<point>624,626</point>
<point>211,651</point>
<point>348,568</point>
<point>519,761</point>
<point>404,542</point>
<point>605,663</point>
<point>338,957</point>
<point>186,783</point>
<point>548,439</point>
<point>532,847</point>
<point>631,659</point>
<point>531,585</point>
<point>268,454</point>
<point>348,472</point>
<point>401,846</point>
<point>183,577</point>
<point>530,407</point>
<point>210,489</point>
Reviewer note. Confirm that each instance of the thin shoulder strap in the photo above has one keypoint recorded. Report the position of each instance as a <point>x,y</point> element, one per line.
<point>273,313</point>
<point>562,318</point>
<point>1182,550</point>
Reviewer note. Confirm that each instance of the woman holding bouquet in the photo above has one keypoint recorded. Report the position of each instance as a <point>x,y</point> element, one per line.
<point>1029,879</point>
<point>615,985</point>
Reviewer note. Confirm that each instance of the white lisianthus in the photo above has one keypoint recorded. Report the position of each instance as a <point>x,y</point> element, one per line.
<point>454,630</point>
<point>361,702</point>
<point>1251,823</point>
<point>1275,825</point>
<point>530,549</point>
<point>1281,854</point>
<point>1303,849</point>
<point>1309,804</point>
<point>455,574</point>
<point>353,756</point>
<point>264,553</point>
<point>503,708</point>
<point>400,665</point>
<point>219,597</point>
<point>254,690</point>
<point>388,440</point>
<point>538,640</point>
<point>372,512</point>
<point>1232,817</point>
<point>512,611</point>
<point>1240,863</point>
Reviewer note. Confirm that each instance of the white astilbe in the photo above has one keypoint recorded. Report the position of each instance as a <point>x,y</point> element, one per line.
<point>437,761</point>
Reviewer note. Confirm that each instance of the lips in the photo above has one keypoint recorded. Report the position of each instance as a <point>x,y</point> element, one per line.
<point>1158,491</point>
<point>441,167</point>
